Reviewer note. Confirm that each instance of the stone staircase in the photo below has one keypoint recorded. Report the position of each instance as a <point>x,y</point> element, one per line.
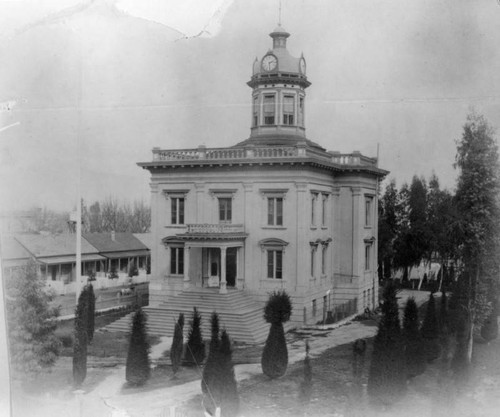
<point>239,314</point>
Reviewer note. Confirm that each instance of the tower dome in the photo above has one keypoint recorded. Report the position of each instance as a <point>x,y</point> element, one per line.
<point>278,81</point>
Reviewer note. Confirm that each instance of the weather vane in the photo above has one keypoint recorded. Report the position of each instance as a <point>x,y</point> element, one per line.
<point>279,13</point>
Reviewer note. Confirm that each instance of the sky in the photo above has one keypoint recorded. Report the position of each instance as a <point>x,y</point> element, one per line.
<point>89,88</point>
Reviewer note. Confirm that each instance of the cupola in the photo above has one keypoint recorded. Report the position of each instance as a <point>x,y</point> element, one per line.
<point>278,99</point>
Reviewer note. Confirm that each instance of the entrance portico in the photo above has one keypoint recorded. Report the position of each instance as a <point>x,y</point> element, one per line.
<point>211,257</point>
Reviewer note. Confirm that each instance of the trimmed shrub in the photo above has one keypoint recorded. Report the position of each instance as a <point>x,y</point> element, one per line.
<point>138,370</point>
<point>278,310</point>
<point>430,331</point>
<point>177,344</point>
<point>80,340</point>
<point>195,349</point>
<point>306,384</point>
<point>211,366</point>
<point>387,377</point>
<point>414,343</point>
<point>89,289</point>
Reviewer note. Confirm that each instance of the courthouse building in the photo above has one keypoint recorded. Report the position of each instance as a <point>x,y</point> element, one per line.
<point>275,211</point>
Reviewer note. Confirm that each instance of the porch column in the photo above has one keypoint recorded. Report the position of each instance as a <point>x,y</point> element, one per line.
<point>186,283</point>
<point>223,283</point>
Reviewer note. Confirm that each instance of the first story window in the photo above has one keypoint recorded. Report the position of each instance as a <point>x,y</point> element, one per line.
<point>177,261</point>
<point>225,210</point>
<point>275,211</point>
<point>275,264</point>
<point>177,210</point>
<point>368,250</point>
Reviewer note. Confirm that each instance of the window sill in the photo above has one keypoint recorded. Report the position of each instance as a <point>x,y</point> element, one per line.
<point>324,227</point>
<point>314,227</point>
<point>368,226</point>
<point>176,226</point>
<point>274,227</point>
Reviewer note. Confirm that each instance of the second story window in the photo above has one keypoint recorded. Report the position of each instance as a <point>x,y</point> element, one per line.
<point>275,211</point>
<point>177,210</point>
<point>225,210</point>
<point>288,110</point>
<point>314,197</point>
<point>255,115</point>
<point>269,109</point>
<point>301,111</point>
<point>368,211</point>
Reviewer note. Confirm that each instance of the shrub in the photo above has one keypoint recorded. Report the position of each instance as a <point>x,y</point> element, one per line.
<point>430,331</point>
<point>137,369</point>
<point>489,330</point>
<point>177,344</point>
<point>306,384</point>
<point>195,349</point>
<point>387,376</point>
<point>414,344</point>
<point>278,310</point>
<point>80,340</point>
<point>90,312</point>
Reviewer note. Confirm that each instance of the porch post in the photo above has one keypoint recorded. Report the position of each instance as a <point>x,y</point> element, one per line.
<point>223,283</point>
<point>238,272</point>
<point>186,283</point>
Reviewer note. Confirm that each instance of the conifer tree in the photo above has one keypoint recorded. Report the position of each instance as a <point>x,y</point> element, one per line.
<point>306,384</point>
<point>33,345</point>
<point>177,344</point>
<point>138,370</point>
<point>80,339</point>
<point>414,349</point>
<point>277,311</point>
<point>211,366</point>
<point>91,312</point>
<point>195,349</point>
<point>387,377</point>
<point>430,331</point>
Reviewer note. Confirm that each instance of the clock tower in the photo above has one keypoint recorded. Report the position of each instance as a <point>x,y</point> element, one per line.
<point>278,99</point>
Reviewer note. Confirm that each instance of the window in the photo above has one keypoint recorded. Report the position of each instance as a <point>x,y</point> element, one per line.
<point>324,209</point>
<point>313,252</point>
<point>275,211</point>
<point>301,111</point>
<point>255,111</point>
<point>269,109</point>
<point>324,254</point>
<point>314,197</point>
<point>177,212</point>
<point>288,110</point>
<point>368,249</point>
<point>314,308</point>
<point>275,264</point>
<point>177,261</point>
<point>368,211</point>
<point>225,209</point>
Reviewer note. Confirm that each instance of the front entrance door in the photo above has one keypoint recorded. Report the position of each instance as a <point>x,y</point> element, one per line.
<point>231,265</point>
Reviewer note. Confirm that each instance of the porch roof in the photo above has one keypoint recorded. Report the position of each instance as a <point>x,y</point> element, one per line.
<point>126,254</point>
<point>69,259</point>
<point>187,237</point>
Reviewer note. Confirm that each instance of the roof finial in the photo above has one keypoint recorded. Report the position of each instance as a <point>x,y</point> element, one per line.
<point>279,15</point>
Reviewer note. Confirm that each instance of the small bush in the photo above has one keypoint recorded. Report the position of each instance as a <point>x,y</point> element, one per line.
<point>177,344</point>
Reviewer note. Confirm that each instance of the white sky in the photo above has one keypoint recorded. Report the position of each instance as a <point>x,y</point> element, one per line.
<point>401,73</point>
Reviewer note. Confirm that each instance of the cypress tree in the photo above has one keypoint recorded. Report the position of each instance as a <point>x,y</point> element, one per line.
<point>80,339</point>
<point>137,369</point>
<point>414,349</point>
<point>211,366</point>
<point>91,312</point>
<point>177,344</point>
<point>277,311</point>
<point>430,331</point>
<point>387,377</point>
<point>195,350</point>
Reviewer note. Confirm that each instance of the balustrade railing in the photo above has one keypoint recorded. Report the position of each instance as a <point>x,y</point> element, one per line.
<point>214,228</point>
<point>261,152</point>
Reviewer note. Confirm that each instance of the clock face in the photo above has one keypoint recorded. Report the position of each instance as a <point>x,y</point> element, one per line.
<point>302,66</point>
<point>269,62</point>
